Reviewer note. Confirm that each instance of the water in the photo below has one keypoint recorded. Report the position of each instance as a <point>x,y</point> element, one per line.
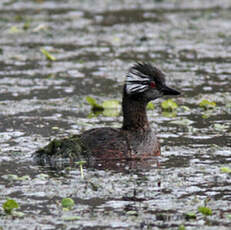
<point>95,42</point>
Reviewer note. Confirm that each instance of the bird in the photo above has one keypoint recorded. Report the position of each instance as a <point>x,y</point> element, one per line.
<point>135,139</point>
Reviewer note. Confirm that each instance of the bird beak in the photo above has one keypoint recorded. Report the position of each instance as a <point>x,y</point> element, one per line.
<point>168,91</point>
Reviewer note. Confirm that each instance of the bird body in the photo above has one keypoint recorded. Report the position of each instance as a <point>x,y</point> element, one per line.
<point>134,140</point>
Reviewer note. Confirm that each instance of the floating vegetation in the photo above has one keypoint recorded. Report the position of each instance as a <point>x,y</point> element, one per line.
<point>150,106</point>
<point>70,148</point>
<point>9,206</point>
<point>169,105</point>
<point>190,215</point>
<point>71,218</point>
<point>109,108</point>
<point>112,107</point>
<point>225,170</point>
<point>111,113</point>
<point>206,104</point>
<point>169,114</point>
<point>205,210</point>
<point>111,104</point>
<point>181,227</point>
<point>48,55</point>
<point>94,105</point>
<point>67,203</point>
<point>37,106</point>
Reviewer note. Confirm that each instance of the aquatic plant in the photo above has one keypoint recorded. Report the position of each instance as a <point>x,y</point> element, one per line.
<point>169,105</point>
<point>67,203</point>
<point>48,55</point>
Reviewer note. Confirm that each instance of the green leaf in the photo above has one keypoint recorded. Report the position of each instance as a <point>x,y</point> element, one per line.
<point>150,106</point>
<point>111,113</point>
<point>111,104</point>
<point>71,218</point>
<point>169,114</point>
<point>169,105</point>
<point>9,205</point>
<point>48,55</point>
<point>190,215</point>
<point>205,210</point>
<point>225,170</point>
<point>181,227</point>
<point>92,102</point>
<point>67,203</point>
<point>206,104</point>
<point>111,108</point>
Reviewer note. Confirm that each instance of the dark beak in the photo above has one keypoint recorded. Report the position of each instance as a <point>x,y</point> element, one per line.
<point>168,91</point>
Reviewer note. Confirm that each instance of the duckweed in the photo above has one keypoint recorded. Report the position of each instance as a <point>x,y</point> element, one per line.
<point>225,170</point>
<point>94,105</point>
<point>67,203</point>
<point>10,205</point>
<point>206,104</point>
<point>150,106</point>
<point>205,210</point>
<point>169,105</point>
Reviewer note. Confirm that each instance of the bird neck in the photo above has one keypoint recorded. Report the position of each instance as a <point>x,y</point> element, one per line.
<point>134,113</point>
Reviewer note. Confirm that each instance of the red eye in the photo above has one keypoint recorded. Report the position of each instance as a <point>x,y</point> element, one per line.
<point>152,84</point>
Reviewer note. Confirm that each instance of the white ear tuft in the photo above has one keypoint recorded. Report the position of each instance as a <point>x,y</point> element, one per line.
<point>136,82</point>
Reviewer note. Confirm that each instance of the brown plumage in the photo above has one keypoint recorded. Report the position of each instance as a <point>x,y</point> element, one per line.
<point>134,140</point>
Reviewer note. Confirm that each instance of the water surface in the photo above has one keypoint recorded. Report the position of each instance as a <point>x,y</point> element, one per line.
<point>95,42</point>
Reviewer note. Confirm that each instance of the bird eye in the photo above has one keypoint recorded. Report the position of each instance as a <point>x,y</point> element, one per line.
<point>152,84</point>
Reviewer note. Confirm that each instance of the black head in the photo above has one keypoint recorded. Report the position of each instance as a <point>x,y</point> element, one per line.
<point>147,82</point>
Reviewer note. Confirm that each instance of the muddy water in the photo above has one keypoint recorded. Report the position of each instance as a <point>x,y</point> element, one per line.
<point>94,43</point>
